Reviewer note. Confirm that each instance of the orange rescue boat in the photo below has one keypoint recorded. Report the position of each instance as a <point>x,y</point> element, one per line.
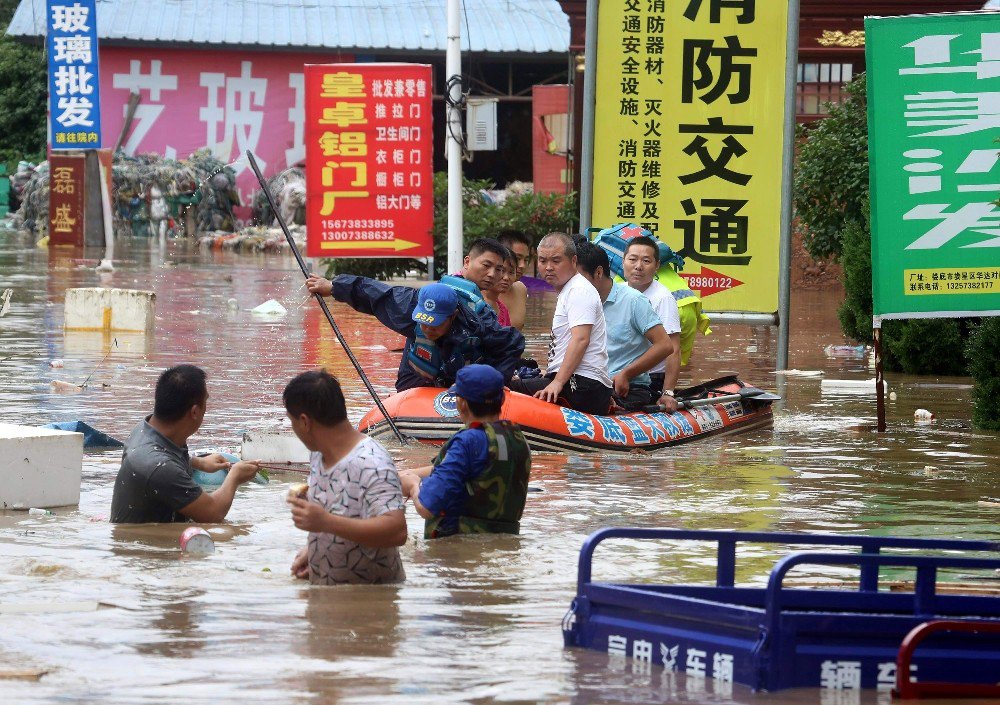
<point>725,405</point>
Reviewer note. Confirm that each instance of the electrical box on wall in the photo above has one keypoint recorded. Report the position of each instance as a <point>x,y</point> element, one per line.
<point>481,124</point>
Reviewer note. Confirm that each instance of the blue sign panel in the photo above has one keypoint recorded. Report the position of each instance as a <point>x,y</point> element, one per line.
<point>74,88</point>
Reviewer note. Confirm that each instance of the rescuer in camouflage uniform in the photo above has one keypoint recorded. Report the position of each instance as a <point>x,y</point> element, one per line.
<point>478,483</point>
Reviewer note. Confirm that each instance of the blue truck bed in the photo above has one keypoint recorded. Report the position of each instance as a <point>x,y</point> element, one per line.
<point>780,636</point>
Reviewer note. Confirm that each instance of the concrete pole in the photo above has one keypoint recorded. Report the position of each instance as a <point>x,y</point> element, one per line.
<point>109,231</point>
<point>788,163</point>
<point>453,74</point>
<point>586,151</point>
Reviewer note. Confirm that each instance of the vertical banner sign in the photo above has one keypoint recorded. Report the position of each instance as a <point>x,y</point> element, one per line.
<point>368,160</point>
<point>688,137</point>
<point>66,174</point>
<point>74,96</point>
<point>933,122</point>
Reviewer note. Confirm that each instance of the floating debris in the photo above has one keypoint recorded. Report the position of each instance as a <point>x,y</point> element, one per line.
<point>270,308</point>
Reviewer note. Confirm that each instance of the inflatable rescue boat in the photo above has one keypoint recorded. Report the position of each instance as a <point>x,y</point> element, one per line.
<point>726,405</point>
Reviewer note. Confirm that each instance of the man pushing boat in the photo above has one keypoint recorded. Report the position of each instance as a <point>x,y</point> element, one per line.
<point>442,336</point>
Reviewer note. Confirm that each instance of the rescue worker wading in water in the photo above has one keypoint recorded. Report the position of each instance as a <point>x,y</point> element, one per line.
<point>478,483</point>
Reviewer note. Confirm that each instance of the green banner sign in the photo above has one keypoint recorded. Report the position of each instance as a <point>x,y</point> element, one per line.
<point>933,123</point>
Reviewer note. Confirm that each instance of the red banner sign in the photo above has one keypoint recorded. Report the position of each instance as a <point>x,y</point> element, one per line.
<point>66,214</point>
<point>369,175</point>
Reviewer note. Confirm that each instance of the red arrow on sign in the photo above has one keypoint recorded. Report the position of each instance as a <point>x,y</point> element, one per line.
<point>708,282</point>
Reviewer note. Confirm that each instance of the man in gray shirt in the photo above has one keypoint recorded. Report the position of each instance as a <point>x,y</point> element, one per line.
<point>155,481</point>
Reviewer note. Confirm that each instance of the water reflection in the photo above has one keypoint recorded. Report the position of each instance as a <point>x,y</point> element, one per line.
<point>478,619</point>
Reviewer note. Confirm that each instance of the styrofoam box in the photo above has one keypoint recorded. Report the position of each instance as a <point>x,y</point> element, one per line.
<point>39,467</point>
<point>850,386</point>
<point>273,448</point>
<point>109,310</point>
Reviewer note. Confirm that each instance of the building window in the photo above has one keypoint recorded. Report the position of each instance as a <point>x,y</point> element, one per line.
<point>819,84</point>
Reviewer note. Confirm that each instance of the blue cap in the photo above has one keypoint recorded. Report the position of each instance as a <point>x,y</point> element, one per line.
<point>478,383</point>
<point>435,303</point>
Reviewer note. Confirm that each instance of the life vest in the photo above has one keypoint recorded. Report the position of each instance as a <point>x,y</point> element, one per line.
<point>469,296</point>
<point>427,360</point>
<point>424,356</point>
<point>497,494</point>
<point>678,286</point>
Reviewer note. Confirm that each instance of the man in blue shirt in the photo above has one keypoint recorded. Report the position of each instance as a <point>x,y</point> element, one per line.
<point>479,481</point>
<point>441,336</point>
<point>637,341</point>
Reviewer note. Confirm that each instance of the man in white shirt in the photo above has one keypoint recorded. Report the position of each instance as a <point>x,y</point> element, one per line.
<point>578,358</point>
<point>640,264</point>
<point>637,340</point>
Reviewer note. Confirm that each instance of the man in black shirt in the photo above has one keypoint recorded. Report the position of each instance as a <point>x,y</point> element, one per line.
<point>155,481</point>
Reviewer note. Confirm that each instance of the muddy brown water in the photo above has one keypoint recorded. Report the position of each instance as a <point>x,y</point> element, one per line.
<point>478,620</point>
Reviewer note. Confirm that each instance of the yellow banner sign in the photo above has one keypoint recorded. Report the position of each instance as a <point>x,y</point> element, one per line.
<point>951,280</point>
<point>688,137</point>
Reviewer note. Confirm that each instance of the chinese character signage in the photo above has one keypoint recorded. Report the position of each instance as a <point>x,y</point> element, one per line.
<point>933,121</point>
<point>368,160</point>
<point>74,90</point>
<point>66,174</point>
<point>226,101</point>
<point>689,135</point>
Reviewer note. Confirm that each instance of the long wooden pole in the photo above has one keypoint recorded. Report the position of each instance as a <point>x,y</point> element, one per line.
<point>319,297</point>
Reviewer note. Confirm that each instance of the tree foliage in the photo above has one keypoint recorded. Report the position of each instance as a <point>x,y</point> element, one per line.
<point>23,95</point>
<point>855,311</point>
<point>831,173</point>
<point>534,213</point>
<point>983,355</point>
<point>923,346</point>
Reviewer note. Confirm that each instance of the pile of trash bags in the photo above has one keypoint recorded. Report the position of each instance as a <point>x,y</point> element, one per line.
<point>33,213</point>
<point>256,238</point>
<point>18,180</point>
<point>288,189</point>
<point>200,194</point>
<point>150,195</point>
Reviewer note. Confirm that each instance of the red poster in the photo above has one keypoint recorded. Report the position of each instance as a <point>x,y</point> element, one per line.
<point>369,172</point>
<point>66,181</point>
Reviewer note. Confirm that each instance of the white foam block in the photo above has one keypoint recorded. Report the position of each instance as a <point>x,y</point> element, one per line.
<point>850,386</point>
<point>41,467</point>
<point>109,310</point>
<point>273,448</point>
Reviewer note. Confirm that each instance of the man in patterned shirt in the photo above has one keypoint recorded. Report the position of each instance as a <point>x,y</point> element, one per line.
<point>353,509</point>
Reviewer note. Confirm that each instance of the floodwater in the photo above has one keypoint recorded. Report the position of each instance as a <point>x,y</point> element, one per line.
<point>478,619</point>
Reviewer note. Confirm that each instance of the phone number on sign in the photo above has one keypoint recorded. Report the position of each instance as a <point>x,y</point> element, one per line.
<point>710,282</point>
<point>968,285</point>
<point>358,235</point>
<point>354,224</point>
